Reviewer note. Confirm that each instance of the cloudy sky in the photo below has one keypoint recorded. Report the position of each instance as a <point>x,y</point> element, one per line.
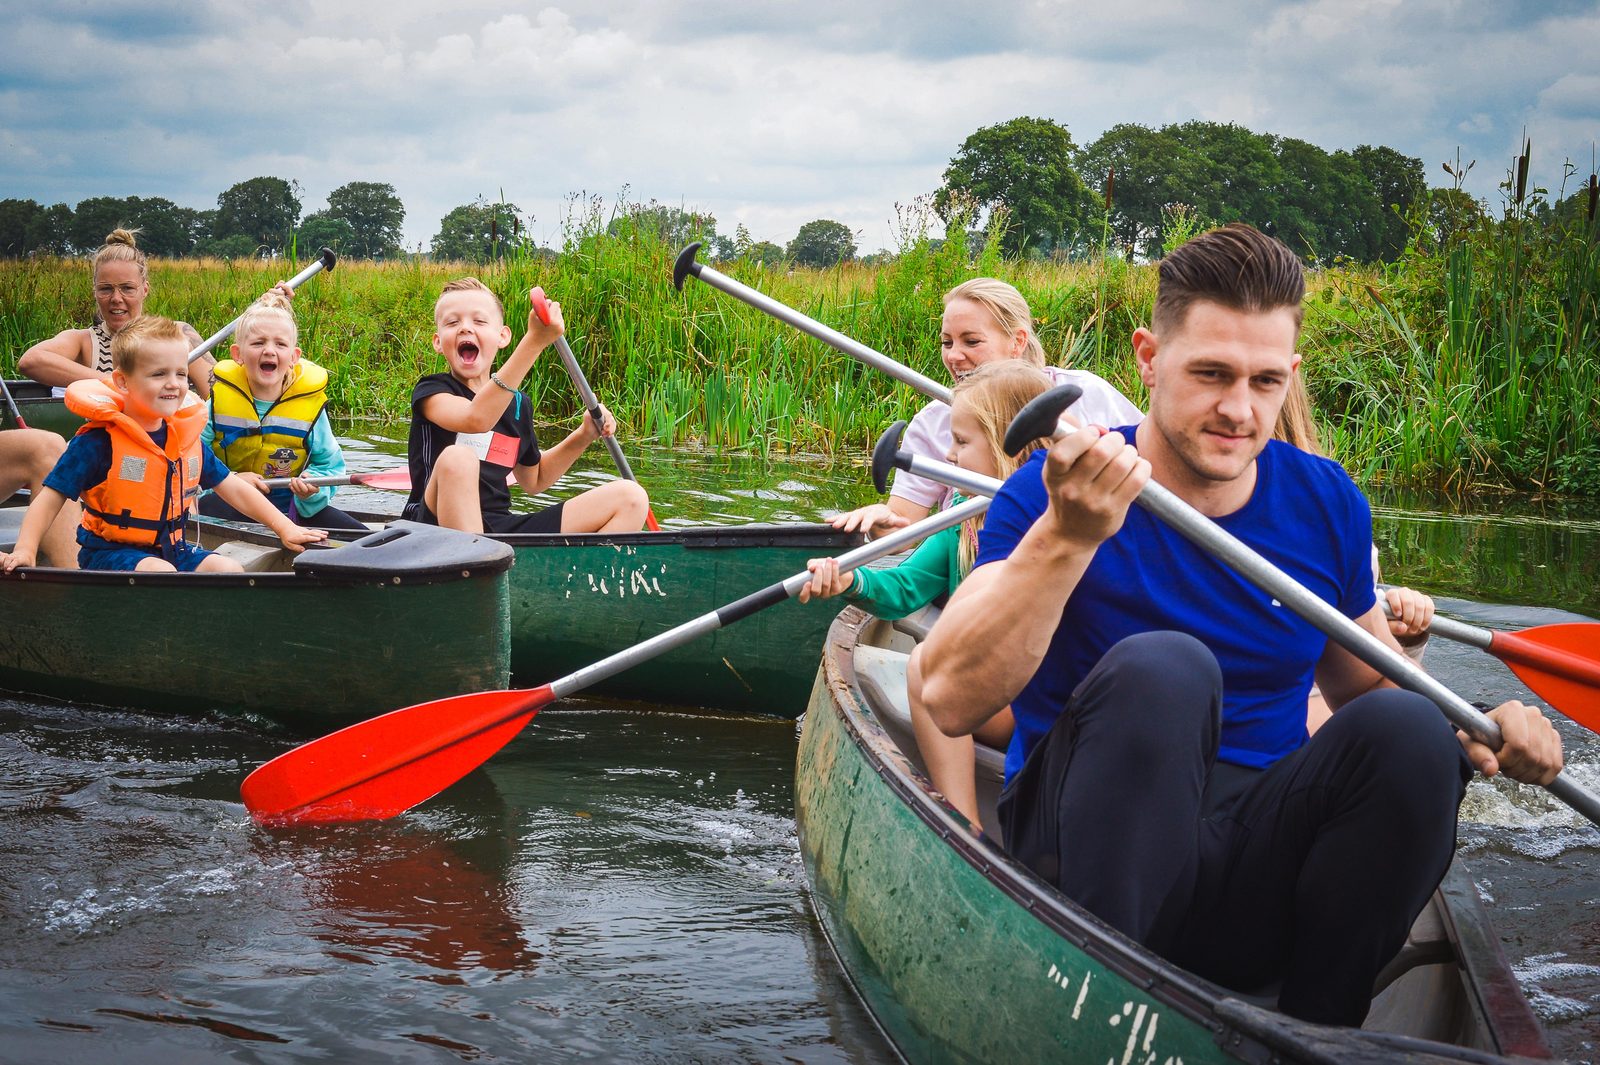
<point>765,113</point>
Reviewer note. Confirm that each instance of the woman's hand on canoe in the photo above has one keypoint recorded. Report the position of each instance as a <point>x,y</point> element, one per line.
<point>872,520</point>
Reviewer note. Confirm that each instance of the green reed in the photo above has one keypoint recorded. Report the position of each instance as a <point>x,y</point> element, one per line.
<point>1472,362</point>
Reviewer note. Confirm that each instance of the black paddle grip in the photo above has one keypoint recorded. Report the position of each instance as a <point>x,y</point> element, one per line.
<point>685,265</point>
<point>1039,417</point>
<point>753,603</point>
<point>883,455</point>
<point>329,260</point>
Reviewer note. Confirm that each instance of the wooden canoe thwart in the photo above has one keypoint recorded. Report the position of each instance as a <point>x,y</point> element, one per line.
<point>963,955</point>
<point>308,642</point>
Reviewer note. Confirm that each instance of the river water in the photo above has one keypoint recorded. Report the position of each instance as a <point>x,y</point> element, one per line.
<point>620,883</point>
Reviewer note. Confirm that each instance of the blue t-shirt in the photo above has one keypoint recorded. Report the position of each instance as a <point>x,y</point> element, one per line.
<point>87,461</point>
<point>1305,516</point>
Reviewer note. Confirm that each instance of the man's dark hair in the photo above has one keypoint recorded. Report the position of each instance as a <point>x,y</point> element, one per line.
<point>1236,266</point>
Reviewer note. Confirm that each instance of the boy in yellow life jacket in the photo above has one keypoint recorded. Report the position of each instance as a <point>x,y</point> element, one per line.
<point>138,463</point>
<point>268,418</point>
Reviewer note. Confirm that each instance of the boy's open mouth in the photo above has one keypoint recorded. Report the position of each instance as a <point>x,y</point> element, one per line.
<point>467,351</point>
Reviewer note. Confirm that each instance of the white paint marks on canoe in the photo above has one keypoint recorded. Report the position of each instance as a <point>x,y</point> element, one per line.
<point>1083,992</point>
<point>1133,1033</point>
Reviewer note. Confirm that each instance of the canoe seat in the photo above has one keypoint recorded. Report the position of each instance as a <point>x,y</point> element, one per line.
<point>917,625</point>
<point>882,676</point>
<point>255,558</point>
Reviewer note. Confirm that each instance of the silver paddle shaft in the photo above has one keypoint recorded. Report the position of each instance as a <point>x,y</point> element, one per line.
<point>1200,530</point>
<point>227,331</point>
<point>769,596</point>
<point>591,404</point>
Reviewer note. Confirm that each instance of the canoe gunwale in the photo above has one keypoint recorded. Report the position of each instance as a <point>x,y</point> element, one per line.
<point>1241,1028</point>
<point>442,571</point>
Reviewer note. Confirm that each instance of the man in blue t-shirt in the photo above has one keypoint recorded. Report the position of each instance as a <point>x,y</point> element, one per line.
<point>1160,772</point>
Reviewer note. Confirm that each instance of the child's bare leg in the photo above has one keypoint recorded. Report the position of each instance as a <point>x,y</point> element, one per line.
<point>452,492</point>
<point>155,564</point>
<point>219,564</point>
<point>26,457</point>
<point>951,760</point>
<point>616,506</point>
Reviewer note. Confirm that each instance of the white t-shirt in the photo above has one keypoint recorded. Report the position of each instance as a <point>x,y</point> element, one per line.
<point>929,432</point>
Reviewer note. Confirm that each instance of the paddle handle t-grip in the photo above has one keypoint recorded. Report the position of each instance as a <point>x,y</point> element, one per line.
<point>1039,417</point>
<point>325,260</point>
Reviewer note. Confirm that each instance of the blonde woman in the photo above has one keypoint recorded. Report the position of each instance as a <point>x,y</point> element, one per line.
<point>985,320</point>
<point>121,284</point>
<point>985,401</point>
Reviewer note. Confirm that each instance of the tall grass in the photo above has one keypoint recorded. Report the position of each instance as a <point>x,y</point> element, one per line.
<point>1470,363</point>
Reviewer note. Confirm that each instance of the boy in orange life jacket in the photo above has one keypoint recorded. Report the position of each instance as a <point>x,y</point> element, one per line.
<point>473,425</point>
<point>138,464</point>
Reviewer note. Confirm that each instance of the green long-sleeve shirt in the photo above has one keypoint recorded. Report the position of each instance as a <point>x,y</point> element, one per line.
<point>932,570</point>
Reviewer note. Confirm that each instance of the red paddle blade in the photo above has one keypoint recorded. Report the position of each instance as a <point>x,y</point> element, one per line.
<point>388,764</point>
<point>650,520</point>
<point>1559,663</point>
<point>399,480</point>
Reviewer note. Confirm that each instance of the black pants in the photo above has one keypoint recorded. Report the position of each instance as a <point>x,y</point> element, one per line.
<point>329,517</point>
<point>1309,872</point>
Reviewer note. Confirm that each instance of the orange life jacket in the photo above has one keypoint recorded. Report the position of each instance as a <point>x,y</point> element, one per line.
<point>148,489</point>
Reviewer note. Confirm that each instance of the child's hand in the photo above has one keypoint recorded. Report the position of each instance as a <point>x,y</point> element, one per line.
<point>873,520</point>
<point>301,487</point>
<point>282,288</point>
<point>826,580</point>
<point>1413,613</point>
<point>607,427</point>
<point>545,335</point>
<point>255,481</point>
<point>9,562</point>
<point>296,537</point>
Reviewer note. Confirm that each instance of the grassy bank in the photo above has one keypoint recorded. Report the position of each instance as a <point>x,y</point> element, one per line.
<point>1471,363</point>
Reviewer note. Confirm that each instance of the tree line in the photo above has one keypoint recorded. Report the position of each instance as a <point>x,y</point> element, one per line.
<point>1024,180</point>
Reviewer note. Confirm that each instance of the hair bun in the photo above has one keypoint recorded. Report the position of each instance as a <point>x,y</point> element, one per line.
<point>123,236</point>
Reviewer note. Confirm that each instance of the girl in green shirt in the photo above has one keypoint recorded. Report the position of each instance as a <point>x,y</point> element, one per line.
<point>983,405</point>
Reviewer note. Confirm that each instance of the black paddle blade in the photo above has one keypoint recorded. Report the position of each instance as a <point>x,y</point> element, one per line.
<point>1039,417</point>
<point>685,266</point>
<point>883,455</point>
<point>328,259</point>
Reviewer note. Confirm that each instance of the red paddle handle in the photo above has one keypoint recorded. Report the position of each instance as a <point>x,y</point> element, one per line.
<point>541,305</point>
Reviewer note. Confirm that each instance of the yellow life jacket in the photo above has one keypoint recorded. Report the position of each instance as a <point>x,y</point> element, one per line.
<point>274,444</point>
<point>148,489</point>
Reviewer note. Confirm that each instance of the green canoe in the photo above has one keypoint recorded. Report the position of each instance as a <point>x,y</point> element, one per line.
<point>38,408</point>
<point>578,598</point>
<point>963,955</point>
<point>309,643</point>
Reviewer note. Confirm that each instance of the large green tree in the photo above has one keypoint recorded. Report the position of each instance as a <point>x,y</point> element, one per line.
<point>1397,181</point>
<point>479,232</point>
<point>27,228</point>
<point>320,229</point>
<point>674,226</point>
<point>165,229</point>
<point>823,242</point>
<point>264,209</point>
<point>1026,167</point>
<point>1148,169</point>
<point>1233,175</point>
<point>375,216</point>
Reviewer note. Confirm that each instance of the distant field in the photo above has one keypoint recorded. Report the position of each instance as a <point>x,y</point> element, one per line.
<point>1416,378</point>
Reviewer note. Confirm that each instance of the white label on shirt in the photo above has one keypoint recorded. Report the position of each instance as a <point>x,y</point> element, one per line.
<point>478,442</point>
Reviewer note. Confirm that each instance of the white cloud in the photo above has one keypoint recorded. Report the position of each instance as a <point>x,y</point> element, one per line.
<point>766,114</point>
